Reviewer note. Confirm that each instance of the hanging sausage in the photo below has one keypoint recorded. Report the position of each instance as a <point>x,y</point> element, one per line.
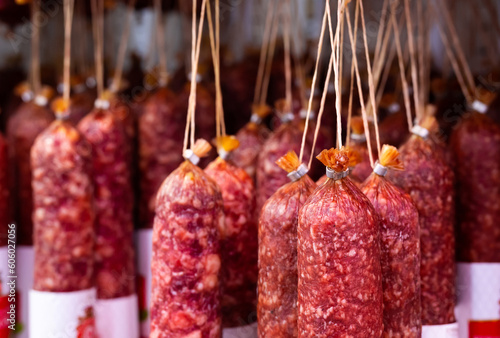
<point>186,262</point>
<point>251,137</point>
<point>23,127</point>
<point>338,257</point>
<point>239,237</point>
<point>277,306</point>
<point>399,246</point>
<point>429,181</point>
<point>64,236</point>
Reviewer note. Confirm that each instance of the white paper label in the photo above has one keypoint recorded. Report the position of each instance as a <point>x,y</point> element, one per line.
<point>4,270</point>
<point>117,318</point>
<point>62,314</point>
<point>25,263</point>
<point>440,331</point>
<point>248,331</point>
<point>144,252</point>
<point>478,291</point>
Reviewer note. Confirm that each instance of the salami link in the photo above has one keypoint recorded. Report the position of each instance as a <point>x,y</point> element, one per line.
<point>476,148</point>
<point>277,286</point>
<point>114,252</point>
<point>4,192</point>
<point>288,136</point>
<point>338,258</point>
<point>160,148</point>
<point>400,248</point>
<point>429,181</point>
<point>63,210</point>
<point>186,262</point>
<point>251,137</point>
<point>22,129</point>
<point>239,239</point>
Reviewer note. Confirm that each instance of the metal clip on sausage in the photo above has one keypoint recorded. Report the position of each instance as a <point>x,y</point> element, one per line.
<point>380,169</point>
<point>420,131</point>
<point>299,173</point>
<point>479,106</point>
<point>223,154</point>
<point>335,175</point>
<point>191,156</point>
<point>358,137</point>
<point>287,117</point>
<point>255,119</point>
<point>303,114</point>
<point>41,100</point>
<point>101,104</point>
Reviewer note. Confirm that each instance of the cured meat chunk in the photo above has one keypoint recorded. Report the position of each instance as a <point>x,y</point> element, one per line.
<point>63,215</point>
<point>22,129</point>
<point>476,149</point>
<point>186,262</point>
<point>160,148</point>
<point>429,181</point>
<point>113,202</point>
<point>251,137</point>
<point>400,248</point>
<point>277,292</point>
<point>239,239</point>
<point>338,258</point>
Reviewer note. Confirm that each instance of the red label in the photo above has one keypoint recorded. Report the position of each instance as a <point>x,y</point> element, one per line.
<point>141,293</point>
<point>86,325</point>
<point>484,329</point>
<point>4,316</point>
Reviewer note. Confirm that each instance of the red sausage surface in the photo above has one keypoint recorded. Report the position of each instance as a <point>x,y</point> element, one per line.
<point>338,257</point>
<point>239,243</point>
<point>186,261</point>
<point>160,148</point>
<point>400,256</point>
<point>277,306</point>
<point>22,129</point>
<point>476,149</point>
<point>63,215</point>
<point>113,201</point>
<point>429,181</point>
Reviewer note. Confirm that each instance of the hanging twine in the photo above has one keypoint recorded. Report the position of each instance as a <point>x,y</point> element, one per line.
<point>360,92</point>
<point>406,93</point>
<point>122,49</point>
<point>35,48</point>
<point>264,51</point>
<point>189,135</point>
<point>68,19</point>
<point>313,86</point>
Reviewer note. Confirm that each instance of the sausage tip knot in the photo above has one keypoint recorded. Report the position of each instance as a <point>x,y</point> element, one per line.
<point>289,162</point>
<point>201,148</point>
<point>259,113</point>
<point>339,159</point>
<point>225,145</point>
<point>389,159</point>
